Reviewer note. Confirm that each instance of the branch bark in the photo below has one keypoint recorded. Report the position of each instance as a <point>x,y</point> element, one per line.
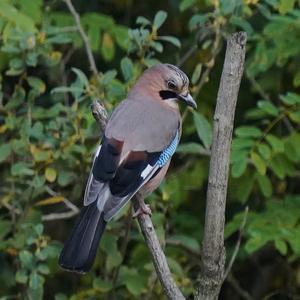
<point>213,251</point>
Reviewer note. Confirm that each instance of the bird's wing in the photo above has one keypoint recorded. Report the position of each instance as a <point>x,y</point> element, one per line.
<point>132,174</point>
<point>138,141</point>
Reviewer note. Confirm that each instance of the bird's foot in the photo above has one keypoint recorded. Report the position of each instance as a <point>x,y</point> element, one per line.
<point>144,209</point>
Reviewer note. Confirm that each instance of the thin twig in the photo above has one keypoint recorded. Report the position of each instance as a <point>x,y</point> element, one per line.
<point>73,209</point>
<point>237,245</point>
<point>59,216</point>
<point>187,55</point>
<point>84,37</point>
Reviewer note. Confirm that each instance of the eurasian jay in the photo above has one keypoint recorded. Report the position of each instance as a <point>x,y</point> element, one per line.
<point>139,140</point>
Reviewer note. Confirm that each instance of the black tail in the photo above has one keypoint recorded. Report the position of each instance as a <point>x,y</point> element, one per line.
<point>80,249</point>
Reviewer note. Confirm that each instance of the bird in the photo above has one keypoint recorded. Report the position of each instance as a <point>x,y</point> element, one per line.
<point>132,158</point>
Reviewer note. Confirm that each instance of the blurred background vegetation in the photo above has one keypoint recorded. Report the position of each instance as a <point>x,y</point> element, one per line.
<point>48,136</point>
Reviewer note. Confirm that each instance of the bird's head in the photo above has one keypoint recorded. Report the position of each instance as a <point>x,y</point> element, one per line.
<point>166,82</point>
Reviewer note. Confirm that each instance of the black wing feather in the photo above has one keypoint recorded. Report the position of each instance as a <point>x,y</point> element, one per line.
<point>107,162</point>
<point>128,176</point>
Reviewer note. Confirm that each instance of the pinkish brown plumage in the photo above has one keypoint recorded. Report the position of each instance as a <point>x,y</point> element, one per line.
<point>134,155</point>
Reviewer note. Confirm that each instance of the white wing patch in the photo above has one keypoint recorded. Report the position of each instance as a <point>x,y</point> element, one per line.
<point>146,171</point>
<point>114,205</point>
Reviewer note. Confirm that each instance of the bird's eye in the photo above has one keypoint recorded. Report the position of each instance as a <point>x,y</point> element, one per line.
<point>171,85</point>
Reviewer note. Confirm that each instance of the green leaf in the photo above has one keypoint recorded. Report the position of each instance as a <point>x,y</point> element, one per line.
<point>185,4</point>
<point>21,168</point>
<point>254,244</point>
<point>264,150</point>
<point>10,13</point>
<point>143,21</point>
<point>229,6</point>
<point>120,34</point>
<point>36,281</point>
<point>238,154</point>
<point>187,241</point>
<point>21,276</point>
<point>291,147</point>
<point>248,131</point>
<point>39,228</point>
<point>197,21</point>
<point>43,269</point>
<point>50,174</point>
<point>107,47</point>
<point>67,89</point>
<point>196,73</point>
<point>265,185</point>
<point>295,116</point>
<point>101,285</point>
<point>159,19</point>
<point>33,9</point>
<point>65,178</point>
<point>243,187</point>
<point>278,167</point>
<point>157,46</point>
<point>113,260</point>
<point>5,151</point>
<point>190,148</point>
<point>233,225</point>
<point>268,107</point>
<point>175,267</point>
<point>81,76</point>
<point>259,163</point>
<point>238,168</point>
<point>296,81</point>
<point>242,23</point>
<point>37,84</point>
<point>286,6</point>
<point>40,155</point>
<point>242,143</point>
<point>204,129</point>
<point>171,39</point>
<point>26,258</point>
<point>276,144</point>
<point>281,246</point>
<point>135,282</point>
<point>127,68</point>
<point>290,98</point>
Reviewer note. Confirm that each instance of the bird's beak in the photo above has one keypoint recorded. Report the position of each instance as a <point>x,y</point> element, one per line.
<point>188,99</point>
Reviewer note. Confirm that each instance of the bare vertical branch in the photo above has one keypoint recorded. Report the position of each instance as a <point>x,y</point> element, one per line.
<point>213,251</point>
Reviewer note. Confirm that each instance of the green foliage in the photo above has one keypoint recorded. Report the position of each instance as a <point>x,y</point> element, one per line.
<point>48,137</point>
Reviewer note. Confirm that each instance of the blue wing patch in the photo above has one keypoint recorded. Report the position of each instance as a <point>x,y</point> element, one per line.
<point>168,152</point>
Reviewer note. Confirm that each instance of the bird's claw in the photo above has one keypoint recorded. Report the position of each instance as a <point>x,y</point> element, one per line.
<point>143,210</point>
